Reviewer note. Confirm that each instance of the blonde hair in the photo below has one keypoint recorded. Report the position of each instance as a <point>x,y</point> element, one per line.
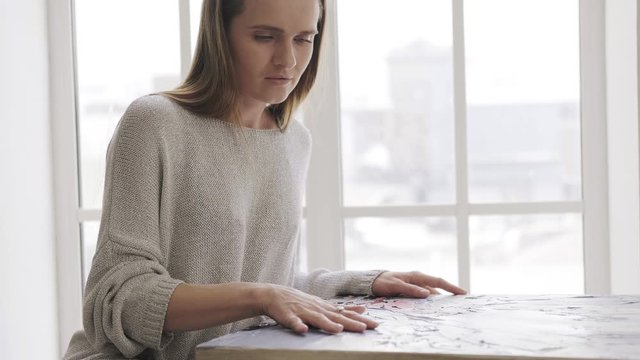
<point>210,88</point>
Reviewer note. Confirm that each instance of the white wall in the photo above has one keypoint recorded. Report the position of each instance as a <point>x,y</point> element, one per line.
<point>28,320</point>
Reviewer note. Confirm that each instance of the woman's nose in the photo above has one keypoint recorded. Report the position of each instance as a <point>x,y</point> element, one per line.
<point>285,56</point>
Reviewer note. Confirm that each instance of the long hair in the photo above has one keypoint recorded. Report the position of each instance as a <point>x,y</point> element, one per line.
<point>210,88</point>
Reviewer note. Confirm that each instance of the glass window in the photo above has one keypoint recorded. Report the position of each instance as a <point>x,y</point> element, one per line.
<point>89,234</point>
<point>522,68</point>
<point>396,86</point>
<point>403,244</point>
<point>526,254</point>
<point>523,94</point>
<point>119,58</point>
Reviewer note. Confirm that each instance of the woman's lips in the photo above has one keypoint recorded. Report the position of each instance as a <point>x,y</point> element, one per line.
<point>278,80</point>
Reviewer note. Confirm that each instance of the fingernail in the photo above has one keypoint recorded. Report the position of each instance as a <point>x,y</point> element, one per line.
<point>424,292</point>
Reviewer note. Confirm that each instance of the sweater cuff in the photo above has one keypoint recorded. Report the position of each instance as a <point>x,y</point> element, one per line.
<point>364,283</point>
<point>155,313</point>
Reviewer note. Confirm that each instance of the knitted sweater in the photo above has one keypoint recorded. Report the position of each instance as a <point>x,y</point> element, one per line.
<point>187,199</point>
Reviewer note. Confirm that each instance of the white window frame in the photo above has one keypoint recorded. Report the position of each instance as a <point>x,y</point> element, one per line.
<point>608,182</point>
<point>65,168</point>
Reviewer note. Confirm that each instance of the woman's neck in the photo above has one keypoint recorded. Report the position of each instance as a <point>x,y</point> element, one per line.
<point>256,116</point>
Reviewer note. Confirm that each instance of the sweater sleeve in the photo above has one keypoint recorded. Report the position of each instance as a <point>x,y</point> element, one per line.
<point>328,284</point>
<point>129,287</point>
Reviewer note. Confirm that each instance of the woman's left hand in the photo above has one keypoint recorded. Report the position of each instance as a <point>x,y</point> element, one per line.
<point>412,284</point>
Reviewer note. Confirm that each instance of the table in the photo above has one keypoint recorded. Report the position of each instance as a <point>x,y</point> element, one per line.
<point>458,327</point>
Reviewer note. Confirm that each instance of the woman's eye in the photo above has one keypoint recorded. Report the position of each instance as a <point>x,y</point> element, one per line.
<point>263,37</point>
<point>304,40</point>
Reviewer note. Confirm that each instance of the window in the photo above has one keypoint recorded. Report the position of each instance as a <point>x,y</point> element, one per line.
<point>397,119</point>
<point>460,143</point>
<point>114,68</point>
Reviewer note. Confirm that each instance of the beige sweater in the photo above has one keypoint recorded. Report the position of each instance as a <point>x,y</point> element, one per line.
<point>187,199</point>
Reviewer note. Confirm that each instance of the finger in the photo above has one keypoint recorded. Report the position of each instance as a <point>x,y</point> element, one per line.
<point>348,323</point>
<point>322,322</point>
<point>327,306</point>
<point>294,323</point>
<point>414,291</point>
<point>445,285</point>
<point>371,324</point>
<point>433,291</point>
<point>436,282</point>
<point>360,309</point>
<point>400,287</point>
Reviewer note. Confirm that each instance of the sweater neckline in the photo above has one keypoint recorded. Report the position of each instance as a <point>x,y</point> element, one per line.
<point>235,126</point>
<point>226,123</point>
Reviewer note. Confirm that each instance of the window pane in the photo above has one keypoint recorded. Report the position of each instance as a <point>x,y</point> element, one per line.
<point>526,254</point>
<point>396,85</point>
<point>122,53</point>
<point>403,244</point>
<point>88,239</point>
<point>523,92</point>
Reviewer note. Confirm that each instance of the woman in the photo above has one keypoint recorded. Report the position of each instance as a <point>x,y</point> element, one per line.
<point>199,225</point>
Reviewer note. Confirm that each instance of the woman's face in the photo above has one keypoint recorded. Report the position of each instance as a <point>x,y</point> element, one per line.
<point>271,45</point>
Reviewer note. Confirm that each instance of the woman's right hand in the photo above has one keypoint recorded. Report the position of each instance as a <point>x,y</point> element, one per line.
<point>297,311</point>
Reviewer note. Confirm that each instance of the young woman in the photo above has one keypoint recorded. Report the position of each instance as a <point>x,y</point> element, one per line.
<point>203,199</point>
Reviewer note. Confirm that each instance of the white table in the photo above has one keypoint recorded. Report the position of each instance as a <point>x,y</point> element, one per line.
<point>458,327</point>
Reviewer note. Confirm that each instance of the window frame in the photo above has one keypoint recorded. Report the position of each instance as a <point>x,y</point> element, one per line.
<point>62,88</point>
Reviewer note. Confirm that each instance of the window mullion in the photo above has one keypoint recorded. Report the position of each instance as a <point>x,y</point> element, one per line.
<point>185,38</point>
<point>460,110</point>
<point>594,146</point>
<point>508,208</point>
<point>325,242</point>
<point>89,215</point>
